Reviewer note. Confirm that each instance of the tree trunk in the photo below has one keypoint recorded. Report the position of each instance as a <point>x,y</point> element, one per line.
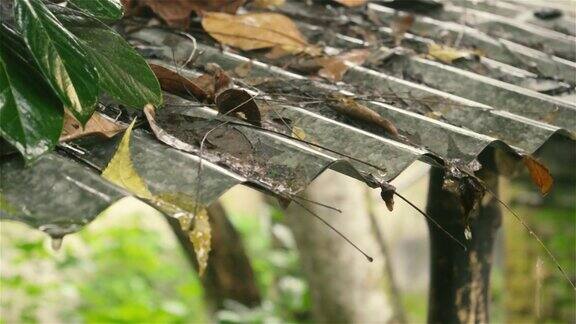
<point>460,280</point>
<point>345,287</point>
<point>229,274</point>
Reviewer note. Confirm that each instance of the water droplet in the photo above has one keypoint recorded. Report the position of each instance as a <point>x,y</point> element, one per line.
<point>468,233</point>
<point>56,242</point>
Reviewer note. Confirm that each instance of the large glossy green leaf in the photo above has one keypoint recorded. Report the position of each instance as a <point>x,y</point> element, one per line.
<point>60,57</point>
<point>30,114</point>
<point>124,74</point>
<point>105,10</point>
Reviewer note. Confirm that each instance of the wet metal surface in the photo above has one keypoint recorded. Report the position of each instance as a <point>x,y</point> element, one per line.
<point>442,112</point>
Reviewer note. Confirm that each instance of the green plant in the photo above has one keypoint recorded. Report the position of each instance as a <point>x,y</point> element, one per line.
<point>55,58</point>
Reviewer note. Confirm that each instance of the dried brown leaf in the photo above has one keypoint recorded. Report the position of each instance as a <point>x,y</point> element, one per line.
<point>268,3</point>
<point>348,106</point>
<point>177,12</point>
<point>539,174</point>
<point>222,81</point>
<point>206,83</point>
<point>171,81</point>
<point>400,25</point>
<point>334,68</point>
<point>97,124</point>
<point>233,101</point>
<point>243,70</point>
<point>387,194</point>
<point>352,3</point>
<point>256,31</point>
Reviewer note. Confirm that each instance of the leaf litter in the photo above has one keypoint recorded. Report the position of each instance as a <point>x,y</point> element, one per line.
<point>469,189</point>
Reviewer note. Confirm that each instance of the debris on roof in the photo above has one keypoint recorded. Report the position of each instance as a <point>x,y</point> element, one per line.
<point>403,104</point>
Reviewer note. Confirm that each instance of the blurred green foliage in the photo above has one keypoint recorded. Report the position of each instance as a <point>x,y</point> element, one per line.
<point>274,258</point>
<point>127,267</point>
<point>114,273</point>
<point>535,290</point>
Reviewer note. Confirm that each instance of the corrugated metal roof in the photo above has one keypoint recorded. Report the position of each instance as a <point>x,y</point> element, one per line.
<point>443,112</point>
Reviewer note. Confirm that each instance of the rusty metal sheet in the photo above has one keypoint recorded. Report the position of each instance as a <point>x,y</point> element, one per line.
<point>438,116</point>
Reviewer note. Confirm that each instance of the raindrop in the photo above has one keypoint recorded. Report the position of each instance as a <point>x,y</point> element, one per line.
<point>468,233</point>
<point>56,242</point>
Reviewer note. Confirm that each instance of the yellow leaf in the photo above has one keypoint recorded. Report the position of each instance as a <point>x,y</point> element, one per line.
<point>255,31</point>
<point>201,237</point>
<point>120,169</point>
<point>298,133</point>
<point>185,209</point>
<point>448,54</point>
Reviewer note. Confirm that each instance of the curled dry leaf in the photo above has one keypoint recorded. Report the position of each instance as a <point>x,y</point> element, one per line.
<point>171,81</point>
<point>206,83</point>
<point>459,179</point>
<point>448,55</point>
<point>400,25</point>
<point>539,174</point>
<point>177,12</point>
<point>334,68</point>
<point>387,194</point>
<point>348,106</point>
<point>222,81</point>
<point>234,101</point>
<point>268,3</point>
<point>162,135</point>
<point>97,124</point>
<point>243,70</point>
<point>352,3</point>
<point>256,31</point>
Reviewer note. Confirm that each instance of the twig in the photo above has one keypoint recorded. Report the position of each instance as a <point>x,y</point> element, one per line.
<point>432,220</point>
<point>369,258</point>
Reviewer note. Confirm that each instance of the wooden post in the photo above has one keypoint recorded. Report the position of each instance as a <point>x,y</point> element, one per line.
<point>460,280</point>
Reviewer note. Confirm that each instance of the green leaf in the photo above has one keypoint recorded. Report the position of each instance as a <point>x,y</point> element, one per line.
<point>31,115</point>
<point>107,10</point>
<point>124,74</point>
<point>60,58</point>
